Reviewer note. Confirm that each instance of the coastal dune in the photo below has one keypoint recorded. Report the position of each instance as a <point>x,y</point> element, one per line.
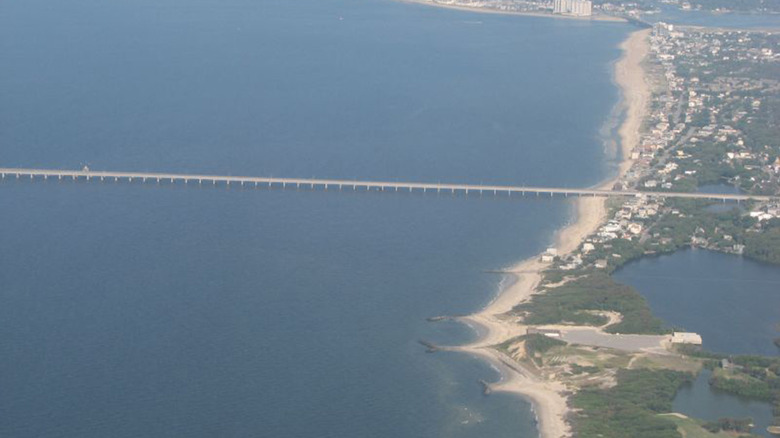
<point>550,405</point>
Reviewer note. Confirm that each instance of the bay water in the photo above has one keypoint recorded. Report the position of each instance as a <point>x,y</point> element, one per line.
<point>731,301</point>
<point>171,310</point>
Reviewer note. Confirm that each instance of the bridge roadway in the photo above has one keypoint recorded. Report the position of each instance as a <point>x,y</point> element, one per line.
<point>316,183</point>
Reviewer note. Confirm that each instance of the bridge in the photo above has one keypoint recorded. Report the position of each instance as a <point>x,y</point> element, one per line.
<point>341,184</point>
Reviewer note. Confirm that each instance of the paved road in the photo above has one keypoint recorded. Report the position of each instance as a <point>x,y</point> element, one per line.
<point>595,338</point>
<point>117,176</point>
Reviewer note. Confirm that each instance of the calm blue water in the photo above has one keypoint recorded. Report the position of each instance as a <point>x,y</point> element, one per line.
<point>130,310</point>
<point>673,14</point>
<point>731,301</point>
<point>699,400</point>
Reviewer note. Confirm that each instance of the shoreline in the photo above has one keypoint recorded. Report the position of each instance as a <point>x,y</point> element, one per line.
<point>549,404</point>
<point>479,10</point>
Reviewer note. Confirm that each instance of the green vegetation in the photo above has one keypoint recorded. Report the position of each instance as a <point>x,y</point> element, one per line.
<point>574,302</point>
<point>631,405</point>
<point>693,219</point>
<point>579,369</point>
<point>742,385</point>
<point>691,428</point>
<point>764,246</point>
<point>536,343</point>
<point>729,424</point>
<point>754,377</point>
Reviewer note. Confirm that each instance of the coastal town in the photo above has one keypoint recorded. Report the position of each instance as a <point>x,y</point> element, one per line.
<point>585,347</point>
<point>712,125</point>
<point>638,10</point>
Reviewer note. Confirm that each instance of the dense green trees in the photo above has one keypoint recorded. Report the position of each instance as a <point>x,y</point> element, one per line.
<point>574,302</point>
<point>729,424</point>
<point>764,246</point>
<point>631,405</point>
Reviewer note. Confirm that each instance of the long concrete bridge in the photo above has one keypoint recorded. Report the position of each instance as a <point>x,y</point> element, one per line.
<point>341,184</point>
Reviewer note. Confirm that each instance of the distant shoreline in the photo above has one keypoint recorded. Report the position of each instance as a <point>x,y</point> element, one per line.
<point>547,396</point>
<point>435,4</point>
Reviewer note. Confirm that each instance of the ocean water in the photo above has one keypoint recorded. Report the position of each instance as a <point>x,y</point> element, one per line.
<point>145,310</point>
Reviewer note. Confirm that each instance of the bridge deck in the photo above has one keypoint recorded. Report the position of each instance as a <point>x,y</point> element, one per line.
<point>355,185</point>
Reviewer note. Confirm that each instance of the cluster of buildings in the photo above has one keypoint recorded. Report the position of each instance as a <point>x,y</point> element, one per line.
<point>514,6</point>
<point>712,110</point>
<point>578,8</point>
<point>689,338</point>
<point>574,8</point>
<point>766,212</point>
<point>708,121</point>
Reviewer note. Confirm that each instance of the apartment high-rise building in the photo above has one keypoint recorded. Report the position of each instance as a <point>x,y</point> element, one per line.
<point>579,8</point>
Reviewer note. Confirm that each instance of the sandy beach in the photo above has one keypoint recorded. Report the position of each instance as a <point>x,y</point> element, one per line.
<point>549,403</point>
<point>524,14</point>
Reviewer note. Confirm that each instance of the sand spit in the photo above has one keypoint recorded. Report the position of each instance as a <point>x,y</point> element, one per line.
<point>494,326</point>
